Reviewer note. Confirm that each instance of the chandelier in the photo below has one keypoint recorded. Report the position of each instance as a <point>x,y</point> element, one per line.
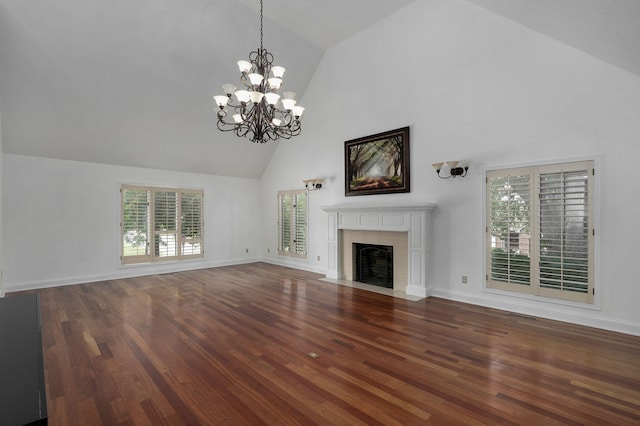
<point>260,113</point>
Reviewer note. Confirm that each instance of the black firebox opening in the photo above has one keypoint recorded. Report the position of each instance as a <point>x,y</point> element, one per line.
<point>373,264</point>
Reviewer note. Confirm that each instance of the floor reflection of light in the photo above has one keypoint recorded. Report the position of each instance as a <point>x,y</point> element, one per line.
<point>296,292</point>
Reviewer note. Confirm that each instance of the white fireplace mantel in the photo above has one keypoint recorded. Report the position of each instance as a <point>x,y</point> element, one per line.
<point>413,219</point>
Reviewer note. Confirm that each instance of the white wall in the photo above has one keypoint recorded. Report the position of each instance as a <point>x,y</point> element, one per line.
<point>474,86</point>
<point>1,257</point>
<point>61,220</point>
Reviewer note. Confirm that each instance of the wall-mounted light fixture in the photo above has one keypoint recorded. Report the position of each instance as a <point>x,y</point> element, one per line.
<point>313,184</point>
<point>456,168</point>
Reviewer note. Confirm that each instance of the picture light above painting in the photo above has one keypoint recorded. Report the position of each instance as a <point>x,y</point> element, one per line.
<point>377,164</point>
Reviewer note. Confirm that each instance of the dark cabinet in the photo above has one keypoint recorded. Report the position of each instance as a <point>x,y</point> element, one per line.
<point>22,391</point>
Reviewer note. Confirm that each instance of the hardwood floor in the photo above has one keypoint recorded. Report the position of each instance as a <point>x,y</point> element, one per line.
<point>231,345</point>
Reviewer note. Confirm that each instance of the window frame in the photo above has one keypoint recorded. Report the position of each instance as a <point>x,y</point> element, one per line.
<point>533,291</point>
<point>150,255</point>
<point>293,226</point>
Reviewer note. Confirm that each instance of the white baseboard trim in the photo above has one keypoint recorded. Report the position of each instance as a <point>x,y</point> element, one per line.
<point>418,291</point>
<point>293,263</point>
<point>586,318</point>
<point>126,272</point>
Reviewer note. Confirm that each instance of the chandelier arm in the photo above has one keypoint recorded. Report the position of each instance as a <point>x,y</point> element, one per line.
<point>244,79</point>
<point>221,125</point>
<point>242,132</point>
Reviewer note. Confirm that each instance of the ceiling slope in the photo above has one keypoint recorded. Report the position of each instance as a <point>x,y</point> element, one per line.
<point>606,29</point>
<point>327,22</point>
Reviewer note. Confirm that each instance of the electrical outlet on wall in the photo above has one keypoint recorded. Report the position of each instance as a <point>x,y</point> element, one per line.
<point>464,279</point>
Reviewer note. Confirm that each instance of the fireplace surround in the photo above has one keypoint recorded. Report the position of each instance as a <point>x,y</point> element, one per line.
<point>396,239</point>
<point>409,226</point>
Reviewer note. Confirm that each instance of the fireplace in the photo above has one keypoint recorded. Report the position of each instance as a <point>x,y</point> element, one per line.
<point>396,240</point>
<point>406,228</point>
<point>373,264</point>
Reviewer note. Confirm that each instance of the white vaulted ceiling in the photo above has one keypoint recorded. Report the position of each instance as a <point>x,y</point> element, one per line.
<point>129,82</point>
<point>606,29</point>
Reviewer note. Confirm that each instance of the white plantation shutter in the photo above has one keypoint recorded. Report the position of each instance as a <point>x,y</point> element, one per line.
<point>300,209</point>
<point>566,248</point>
<point>165,219</point>
<point>510,228</point>
<point>161,224</point>
<point>191,224</point>
<point>292,223</point>
<point>136,219</point>
<point>540,231</point>
<point>284,222</point>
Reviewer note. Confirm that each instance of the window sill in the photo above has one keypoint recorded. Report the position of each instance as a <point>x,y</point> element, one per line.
<point>541,299</point>
<point>163,262</point>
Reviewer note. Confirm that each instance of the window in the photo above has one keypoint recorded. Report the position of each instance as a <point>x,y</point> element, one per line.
<point>292,223</point>
<point>161,224</point>
<point>540,230</point>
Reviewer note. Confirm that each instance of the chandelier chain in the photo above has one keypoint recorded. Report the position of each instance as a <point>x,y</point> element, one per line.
<point>261,18</point>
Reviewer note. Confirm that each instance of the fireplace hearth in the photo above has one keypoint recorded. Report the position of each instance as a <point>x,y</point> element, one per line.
<point>373,264</point>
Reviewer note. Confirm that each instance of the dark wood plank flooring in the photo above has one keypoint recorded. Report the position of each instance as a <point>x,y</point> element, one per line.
<point>231,345</point>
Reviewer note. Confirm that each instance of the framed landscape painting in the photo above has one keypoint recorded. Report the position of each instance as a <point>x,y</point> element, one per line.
<point>377,164</point>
